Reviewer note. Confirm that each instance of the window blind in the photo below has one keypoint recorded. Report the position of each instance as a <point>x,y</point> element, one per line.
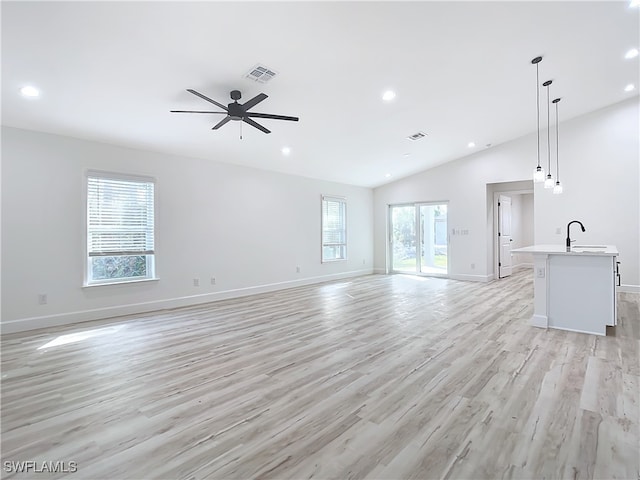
<point>334,228</point>
<point>120,217</point>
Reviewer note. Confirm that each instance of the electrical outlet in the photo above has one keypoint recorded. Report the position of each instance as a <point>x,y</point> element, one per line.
<point>297,269</point>
<point>473,266</point>
<point>540,272</point>
<point>42,299</point>
<point>363,261</point>
<point>558,232</point>
<point>213,280</point>
<point>196,282</point>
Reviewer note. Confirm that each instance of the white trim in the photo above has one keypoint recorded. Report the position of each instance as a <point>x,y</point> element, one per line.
<point>628,288</point>
<point>380,271</point>
<point>121,282</point>
<point>540,321</point>
<point>32,323</point>
<point>579,331</point>
<point>471,278</point>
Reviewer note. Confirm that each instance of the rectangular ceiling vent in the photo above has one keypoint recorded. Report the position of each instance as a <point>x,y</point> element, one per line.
<point>260,74</point>
<point>416,136</point>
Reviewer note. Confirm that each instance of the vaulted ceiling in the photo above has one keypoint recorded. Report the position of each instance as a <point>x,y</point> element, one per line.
<point>461,71</point>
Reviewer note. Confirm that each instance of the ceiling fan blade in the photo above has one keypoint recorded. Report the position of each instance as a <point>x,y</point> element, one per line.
<point>255,124</point>
<point>193,111</point>
<point>221,122</point>
<point>274,117</point>
<point>198,94</point>
<point>254,101</point>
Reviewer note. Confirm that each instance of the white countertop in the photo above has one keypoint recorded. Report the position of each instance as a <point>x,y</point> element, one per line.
<point>580,249</point>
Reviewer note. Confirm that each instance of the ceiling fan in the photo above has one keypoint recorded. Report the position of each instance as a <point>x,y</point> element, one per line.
<point>238,111</point>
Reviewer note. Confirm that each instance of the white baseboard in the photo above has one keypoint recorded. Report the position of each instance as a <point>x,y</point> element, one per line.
<point>471,278</point>
<point>379,271</point>
<point>56,320</point>
<point>540,321</point>
<point>628,288</point>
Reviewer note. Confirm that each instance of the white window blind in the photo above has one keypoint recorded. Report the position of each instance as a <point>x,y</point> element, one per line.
<point>334,228</point>
<point>120,217</point>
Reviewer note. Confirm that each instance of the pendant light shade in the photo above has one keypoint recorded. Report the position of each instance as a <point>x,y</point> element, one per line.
<point>538,172</point>
<point>548,181</point>
<point>557,189</point>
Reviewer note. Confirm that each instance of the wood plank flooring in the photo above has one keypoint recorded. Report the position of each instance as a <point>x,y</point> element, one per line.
<point>380,377</point>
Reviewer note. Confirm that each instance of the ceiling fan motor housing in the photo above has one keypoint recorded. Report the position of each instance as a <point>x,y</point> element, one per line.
<point>235,110</point>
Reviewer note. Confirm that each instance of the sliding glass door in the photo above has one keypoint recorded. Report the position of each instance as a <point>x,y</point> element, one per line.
<point>418,240</point>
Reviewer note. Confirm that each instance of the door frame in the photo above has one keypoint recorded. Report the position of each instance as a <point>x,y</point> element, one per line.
<point>389,249</point>
<point>496,239</point>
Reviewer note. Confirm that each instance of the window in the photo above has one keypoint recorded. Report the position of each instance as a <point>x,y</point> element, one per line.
<point>120,237</point>
<point>334,229</point>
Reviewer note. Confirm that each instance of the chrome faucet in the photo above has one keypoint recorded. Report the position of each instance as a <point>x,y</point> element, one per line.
<point>569,239</point>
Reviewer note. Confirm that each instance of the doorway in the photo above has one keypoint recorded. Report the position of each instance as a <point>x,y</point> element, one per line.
<point>512,232</point>
<point>419,238</point>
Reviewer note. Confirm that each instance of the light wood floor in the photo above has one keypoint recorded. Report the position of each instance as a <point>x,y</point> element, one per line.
<point>376,377</point>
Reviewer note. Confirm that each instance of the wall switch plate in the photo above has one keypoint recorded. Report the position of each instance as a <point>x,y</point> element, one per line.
<point>213,280</point>
<point>297,269</point>
<point>196,282</point>
<point>540,272</point>
<point>42,299</point>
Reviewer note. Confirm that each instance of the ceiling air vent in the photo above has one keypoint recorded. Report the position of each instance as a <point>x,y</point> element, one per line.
<point>416,136</point>
<point>260,74</point>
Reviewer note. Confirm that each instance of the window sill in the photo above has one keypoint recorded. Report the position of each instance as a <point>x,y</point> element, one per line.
<point>123,282</point>
<point>334,261</point>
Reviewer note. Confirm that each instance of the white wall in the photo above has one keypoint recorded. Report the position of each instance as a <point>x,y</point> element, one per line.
<point>600,170</point>
<point>246,227</point>
<point>522,226</point>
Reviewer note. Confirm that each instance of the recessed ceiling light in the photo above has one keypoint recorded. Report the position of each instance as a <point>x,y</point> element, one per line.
<point>387,175</point>
<point>286,150</point>
<point>471,144</point>
<point>406,154</point>
<point>629,88</point>
<point>29,91</point>
<point>388,95</point>
<point>633,53</point>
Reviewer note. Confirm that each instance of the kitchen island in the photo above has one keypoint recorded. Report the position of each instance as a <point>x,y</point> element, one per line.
<point>574,289</point>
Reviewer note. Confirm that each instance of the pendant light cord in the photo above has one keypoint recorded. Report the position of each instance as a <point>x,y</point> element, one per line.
<point>548,132</point>
<point>538,109</point>
<point>557,147</point>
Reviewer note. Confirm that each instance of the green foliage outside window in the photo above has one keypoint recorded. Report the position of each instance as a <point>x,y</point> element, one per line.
<point>118,267</point>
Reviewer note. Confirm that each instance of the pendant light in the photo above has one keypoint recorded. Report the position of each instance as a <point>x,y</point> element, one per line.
<point>548,182</point>
<point>557,189</point>
<point>538,172</point>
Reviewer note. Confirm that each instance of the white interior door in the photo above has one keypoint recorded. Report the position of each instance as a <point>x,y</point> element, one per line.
<point>504,236</point>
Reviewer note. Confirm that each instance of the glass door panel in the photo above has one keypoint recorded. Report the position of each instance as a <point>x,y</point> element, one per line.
<point>403,239</point>
<point>433,239</point>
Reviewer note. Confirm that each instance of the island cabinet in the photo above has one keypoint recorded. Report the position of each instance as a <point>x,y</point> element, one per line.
<point>574,290</point>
